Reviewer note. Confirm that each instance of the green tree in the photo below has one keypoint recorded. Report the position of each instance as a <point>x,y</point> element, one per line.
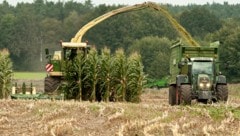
<point>200,21</point>
<point>71,25</point>
<point>26,39</point>
<point>50,35</point>
<point>155,54</point>
<point>7,26</point>
<point>6,8</point>
<point>229,36</point>
<point>51,30</point>
<point>119,32</point>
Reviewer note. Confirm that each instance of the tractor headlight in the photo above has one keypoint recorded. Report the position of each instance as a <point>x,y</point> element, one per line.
<point>208,85</point>
<point>204,82</point>
<point>204,86</point>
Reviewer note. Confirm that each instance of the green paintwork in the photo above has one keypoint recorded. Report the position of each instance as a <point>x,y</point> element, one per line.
<point>56,65</point>
<point>180,53</point>
<point>157,83</point>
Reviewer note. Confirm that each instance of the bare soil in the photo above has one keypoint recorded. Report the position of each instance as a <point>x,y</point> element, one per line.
<point>152,116</point>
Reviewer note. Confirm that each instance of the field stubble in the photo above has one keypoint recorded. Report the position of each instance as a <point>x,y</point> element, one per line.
<point>152,116</point>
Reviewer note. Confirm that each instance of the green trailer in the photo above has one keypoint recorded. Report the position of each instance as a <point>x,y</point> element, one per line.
<point>195,74</point>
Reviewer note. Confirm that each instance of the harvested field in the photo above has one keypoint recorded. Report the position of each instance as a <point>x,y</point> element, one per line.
<point>153,116</point>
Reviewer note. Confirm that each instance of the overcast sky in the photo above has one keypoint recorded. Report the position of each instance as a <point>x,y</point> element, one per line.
<point>132,2</point>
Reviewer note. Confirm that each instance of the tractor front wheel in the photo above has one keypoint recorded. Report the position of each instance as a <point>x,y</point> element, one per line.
<point>51,84</point>
<point>222,93</point>
<point>185,94</point>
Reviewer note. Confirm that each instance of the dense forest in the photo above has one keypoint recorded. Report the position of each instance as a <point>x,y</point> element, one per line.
<point>28,28</point>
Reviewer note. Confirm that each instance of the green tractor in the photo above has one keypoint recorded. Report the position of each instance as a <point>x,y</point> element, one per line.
<point>194,74</point>
<point>55,63</point>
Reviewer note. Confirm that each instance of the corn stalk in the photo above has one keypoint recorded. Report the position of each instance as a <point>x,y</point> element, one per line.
<point>136,78</point>
<point>91,70</point>
<point>70,86</point>
<point>120,74</point>
<point>106,73</point>
<point>78,67</point>
<point>5,73</point>
<point>104,77</point>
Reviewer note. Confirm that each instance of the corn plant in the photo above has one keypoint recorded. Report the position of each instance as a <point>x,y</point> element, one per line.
<point>78,66</point>
<point>91,70</point>
<point>5,73</point>
<point>120,74</point>
<point>106,73</point>
<point>136,78</point>
<point>104,77</point>
<point>70,85</point>
<point>74,76</point>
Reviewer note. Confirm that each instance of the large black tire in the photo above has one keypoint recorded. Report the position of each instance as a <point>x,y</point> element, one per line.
<point>185,94</point>
<point>51,84</point>
<point>222,93</point>
<point>172,95</point>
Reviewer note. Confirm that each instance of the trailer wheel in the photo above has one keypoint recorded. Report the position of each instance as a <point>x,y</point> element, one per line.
<point>222,93</point>
<point>185,94</point>
<point>51,84</point>
<point>172,95</point>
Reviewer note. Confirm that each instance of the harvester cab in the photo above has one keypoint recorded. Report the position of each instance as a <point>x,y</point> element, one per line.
<point>195,75</point>
<point>54,65</point>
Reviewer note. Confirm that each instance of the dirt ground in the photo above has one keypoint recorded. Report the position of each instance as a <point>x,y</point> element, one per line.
<point>152,116</point>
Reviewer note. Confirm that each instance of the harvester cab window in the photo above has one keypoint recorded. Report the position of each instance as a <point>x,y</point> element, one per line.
<point>202,68</point>
<point>73,54</point>
<point>70,53</point>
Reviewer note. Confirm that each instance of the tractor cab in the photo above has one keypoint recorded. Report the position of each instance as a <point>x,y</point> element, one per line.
<point>202,73</point>
<point>202,66</point>
<point>54,66</point>
<point>70,51</point>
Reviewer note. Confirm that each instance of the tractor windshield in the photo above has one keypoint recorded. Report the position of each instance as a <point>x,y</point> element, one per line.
<point>202,68</point>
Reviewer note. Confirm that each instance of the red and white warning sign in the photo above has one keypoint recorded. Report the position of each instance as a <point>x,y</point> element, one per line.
<point>49,67</point>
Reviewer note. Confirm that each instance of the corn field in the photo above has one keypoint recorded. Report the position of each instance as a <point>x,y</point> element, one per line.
<point>5,73</point>
<point>104,77</point>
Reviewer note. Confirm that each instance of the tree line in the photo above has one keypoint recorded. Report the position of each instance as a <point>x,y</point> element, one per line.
<point>28,28</point>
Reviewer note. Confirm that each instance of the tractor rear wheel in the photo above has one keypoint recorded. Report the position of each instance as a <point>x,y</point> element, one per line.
<point>172,95</point>
<point>185,94</point>
<point>222,93</point>
<point>51,84</point>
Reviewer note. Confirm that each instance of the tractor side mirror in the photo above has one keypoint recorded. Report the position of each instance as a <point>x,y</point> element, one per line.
<point>46,51</point>
<point>48,56</point>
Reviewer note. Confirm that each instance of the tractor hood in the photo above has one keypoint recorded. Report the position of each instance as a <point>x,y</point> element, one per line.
<point>204,82</point>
